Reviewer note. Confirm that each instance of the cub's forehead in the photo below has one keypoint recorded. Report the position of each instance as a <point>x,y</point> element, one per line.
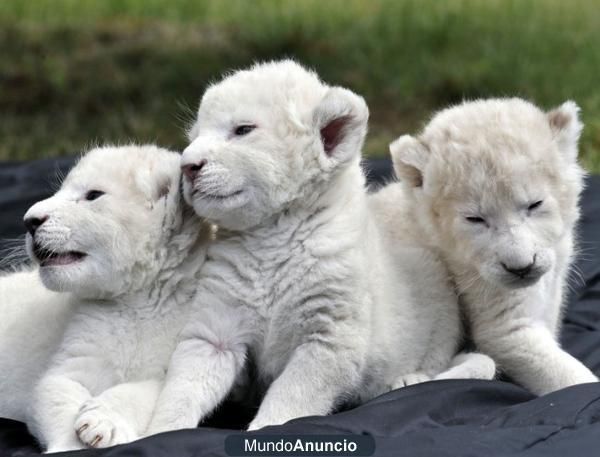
<point>503,111</point>
<point>492,127</point>
<point>118,166</point>
<point>265,89</point>
<point>487,144</point>
<point>491,151</point>
<point>483,180</point>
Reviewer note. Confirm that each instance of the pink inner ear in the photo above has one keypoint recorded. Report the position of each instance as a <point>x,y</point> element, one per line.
<point>332,133</point>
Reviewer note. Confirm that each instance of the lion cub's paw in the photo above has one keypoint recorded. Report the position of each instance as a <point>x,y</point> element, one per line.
<point>410,379</point>
<point>99,426</point>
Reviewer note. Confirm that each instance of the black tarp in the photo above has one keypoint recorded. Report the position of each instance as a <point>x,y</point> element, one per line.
<point>443,418</point>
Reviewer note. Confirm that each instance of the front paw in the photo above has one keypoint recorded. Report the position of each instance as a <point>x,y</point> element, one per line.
<point>410,379</point>
<point>257,425</point>
<point>99,426</point>
<point>262,421</point>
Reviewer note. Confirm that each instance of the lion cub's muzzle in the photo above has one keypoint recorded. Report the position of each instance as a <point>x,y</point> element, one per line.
<point>522,275</point>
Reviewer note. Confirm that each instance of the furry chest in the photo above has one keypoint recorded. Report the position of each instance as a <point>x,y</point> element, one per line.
<point>147,350</point>
<point>271,284</point>
<point>292,317</point>
<point>258,278</point>
<point>136,345</point>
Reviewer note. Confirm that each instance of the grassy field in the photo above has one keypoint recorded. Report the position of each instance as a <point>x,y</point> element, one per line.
<point>77,72</point>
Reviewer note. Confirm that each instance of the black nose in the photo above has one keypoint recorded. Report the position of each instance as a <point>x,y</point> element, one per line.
<point>519,271</point>
<point>33,223</point>
<point>191,170</point>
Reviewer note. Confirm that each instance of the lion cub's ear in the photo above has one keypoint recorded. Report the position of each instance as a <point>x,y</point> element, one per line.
<point>409,156</point>
<point>341,119</point>
<point>566,127</point>
<point>157,181</point>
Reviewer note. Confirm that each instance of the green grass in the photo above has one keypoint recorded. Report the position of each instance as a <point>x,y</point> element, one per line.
<point>76,72</point>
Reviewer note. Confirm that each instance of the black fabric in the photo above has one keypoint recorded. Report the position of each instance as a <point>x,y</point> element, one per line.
<point>24,183</point>
<point>444,418</point>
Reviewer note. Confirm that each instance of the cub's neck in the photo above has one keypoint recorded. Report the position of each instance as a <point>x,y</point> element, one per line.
<point>341,205</point>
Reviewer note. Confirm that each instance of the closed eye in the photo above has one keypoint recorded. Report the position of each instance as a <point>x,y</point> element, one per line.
<point>535,205</point>
<point>244,129</point>
<point>475,219</point>
<point>93,195</point>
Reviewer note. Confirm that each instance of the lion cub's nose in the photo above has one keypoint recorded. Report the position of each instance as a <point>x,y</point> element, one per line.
<point>33,223</point>
<point>191,170</point>
<point>519,271</point>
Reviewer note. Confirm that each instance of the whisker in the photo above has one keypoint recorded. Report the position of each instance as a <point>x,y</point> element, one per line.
<point>185,115</point>
<point>576,275</point>
<point>13,253</point>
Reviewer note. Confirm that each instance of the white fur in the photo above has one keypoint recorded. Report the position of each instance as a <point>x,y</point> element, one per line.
<point>424,269</point>
<point>143,249</point>
<point>33,320</point>
<point>300,279</point>
<point>493,159</point>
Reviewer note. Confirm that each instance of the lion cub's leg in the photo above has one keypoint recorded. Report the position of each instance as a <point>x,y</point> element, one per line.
<point>60,395</point>
<point>56,405</point>
<point>531,356</point>
<point>466,365</point>
<point>204,367</point>
<point>118,415</point>
<point>469,365</point>
<point>316,376</point>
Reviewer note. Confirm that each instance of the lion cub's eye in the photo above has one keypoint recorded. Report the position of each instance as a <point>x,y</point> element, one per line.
<point>242,130</point>
<point>535,205</point>
<point>93,195</point>
<point>475,219</point>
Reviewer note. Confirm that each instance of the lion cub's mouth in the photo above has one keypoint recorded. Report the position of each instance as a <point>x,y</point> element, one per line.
<point>49,258</point>
<point>212,196</point>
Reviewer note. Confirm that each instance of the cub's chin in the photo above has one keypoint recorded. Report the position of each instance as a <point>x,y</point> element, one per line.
<point>64,271</point>
<point>63,277</point>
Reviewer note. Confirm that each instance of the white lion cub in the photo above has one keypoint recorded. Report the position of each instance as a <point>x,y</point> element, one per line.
<point>300,279</point>
<point>493,186</point>
<point>119,237</point>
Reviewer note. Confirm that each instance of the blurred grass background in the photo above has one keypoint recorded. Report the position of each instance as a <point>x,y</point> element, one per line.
<point>77,72</point>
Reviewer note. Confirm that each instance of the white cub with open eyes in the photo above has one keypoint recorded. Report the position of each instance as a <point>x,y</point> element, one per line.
<point>300,280</point>
<point>117,236</point>
<point>493,187</point>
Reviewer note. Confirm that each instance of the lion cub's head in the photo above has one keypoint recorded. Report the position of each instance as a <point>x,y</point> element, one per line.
<point>100,233</point>
<point>266,139</point>
<point>496,184</point>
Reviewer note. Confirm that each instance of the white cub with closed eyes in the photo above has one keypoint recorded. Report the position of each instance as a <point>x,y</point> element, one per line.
<point>117,236</point>
<point>493,187</point>
<point>300,279</point>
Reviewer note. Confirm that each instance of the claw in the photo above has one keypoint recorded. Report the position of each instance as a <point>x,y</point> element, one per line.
<point>97,439</point>
<point>81,429</point>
